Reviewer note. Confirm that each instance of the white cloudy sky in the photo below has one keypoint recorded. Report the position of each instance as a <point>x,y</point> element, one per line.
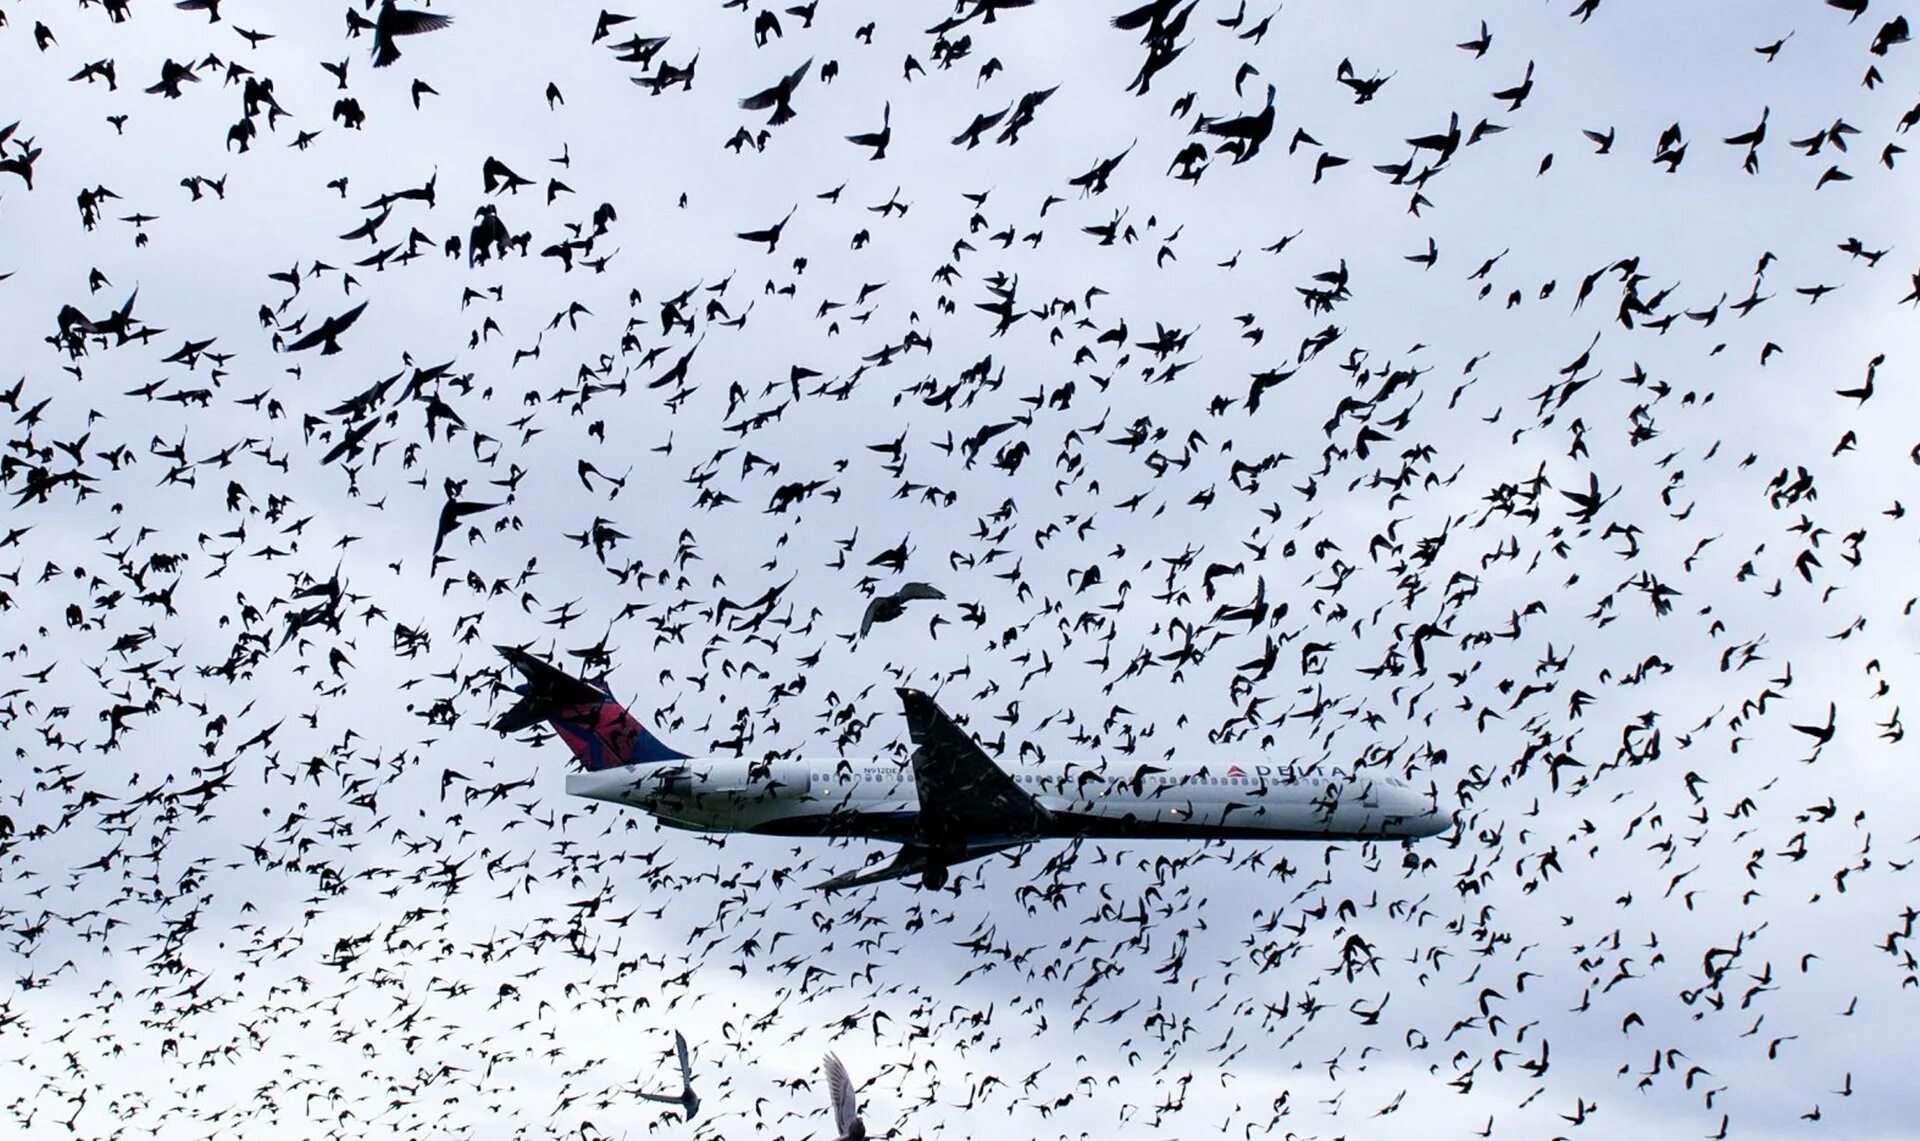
<point>341,946</point>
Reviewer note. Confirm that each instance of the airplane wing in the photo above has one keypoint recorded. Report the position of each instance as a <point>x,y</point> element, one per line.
<point>911,859</point>
<point>962,792</point>
<point>969,806</point>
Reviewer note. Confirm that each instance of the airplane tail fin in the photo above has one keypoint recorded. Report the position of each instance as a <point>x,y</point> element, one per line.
<point>597,728</point>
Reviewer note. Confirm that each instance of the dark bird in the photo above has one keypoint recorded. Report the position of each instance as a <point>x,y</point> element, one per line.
<point>779,96</point>
<point>981,8</point>
<point>496,176</point>
<point>1894,31</point>
<point>1244,132</point>
<point>879,139</point>
<point>450,516</point>
<point>766,25</point>
<point>606,23</point>
<point>172,75</point>
<point>1443,144</point>
<point>1363,89</point>
<point>1517,94</point>
<point>1023,115</point>
<point>980,126</point>
<point>887,607</point>
<point>21,164</point>
<point>1479,44</point>
<point>328,333</point>
<point>770,235</point>
<point>393,22</point>
<point>1821,734</point>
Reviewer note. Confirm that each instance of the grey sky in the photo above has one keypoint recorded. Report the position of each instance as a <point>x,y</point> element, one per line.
<point>284,956</point>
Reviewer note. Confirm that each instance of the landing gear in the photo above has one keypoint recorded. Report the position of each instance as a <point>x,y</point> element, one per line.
<point>945,847</point>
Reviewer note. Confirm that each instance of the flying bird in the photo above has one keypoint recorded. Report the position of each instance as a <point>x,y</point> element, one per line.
<point>327,335</point>
<point>887,607</point>
<point>394,21</point>
<point>877,140</point>
<point>451,513</point>
<point>779,96</point>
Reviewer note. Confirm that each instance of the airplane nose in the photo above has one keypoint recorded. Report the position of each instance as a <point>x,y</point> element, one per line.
<point>1431,822</point>
<point>1423,818</point>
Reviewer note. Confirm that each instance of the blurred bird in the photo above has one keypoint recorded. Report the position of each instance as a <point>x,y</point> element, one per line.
<point>887,607</point>
<point>393,22</point>
<point>846,1106</point>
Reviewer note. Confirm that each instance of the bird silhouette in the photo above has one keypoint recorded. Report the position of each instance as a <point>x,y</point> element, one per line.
<point>779,97</point>
<point>393,21</point>
<point>877,140</point>
<point>887,607</point>
<point>327,334</point>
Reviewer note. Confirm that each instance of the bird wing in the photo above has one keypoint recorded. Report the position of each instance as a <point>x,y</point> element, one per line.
<point>913,590</point>
<point>1237,127</point>
<point>308,341</point>
<point>846,1104</point>
<point>1140,17</point>
<point>761,100</point>
<point>411,22</point>
<point>345,320</point>
<point>680,1048</point>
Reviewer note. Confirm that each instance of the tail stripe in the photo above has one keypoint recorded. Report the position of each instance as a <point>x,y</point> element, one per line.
<point>598,729</point>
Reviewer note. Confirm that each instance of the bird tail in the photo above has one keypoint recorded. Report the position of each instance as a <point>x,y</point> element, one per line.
<point>597,728</point>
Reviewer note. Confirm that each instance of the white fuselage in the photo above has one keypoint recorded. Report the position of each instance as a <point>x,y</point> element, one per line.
<point>877,797</point>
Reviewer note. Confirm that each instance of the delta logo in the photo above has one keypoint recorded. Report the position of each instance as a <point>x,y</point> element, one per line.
<point>1235,771</point>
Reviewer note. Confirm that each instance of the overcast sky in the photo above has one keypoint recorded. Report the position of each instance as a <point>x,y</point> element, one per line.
<point>381,918</point>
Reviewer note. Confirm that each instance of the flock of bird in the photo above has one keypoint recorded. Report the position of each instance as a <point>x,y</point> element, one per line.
<point>1514,402</point>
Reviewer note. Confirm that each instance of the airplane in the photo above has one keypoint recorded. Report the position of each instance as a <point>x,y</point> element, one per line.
<point>950,803</point>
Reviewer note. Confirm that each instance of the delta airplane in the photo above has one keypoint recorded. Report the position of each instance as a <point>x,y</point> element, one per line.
<point>951,802</point>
